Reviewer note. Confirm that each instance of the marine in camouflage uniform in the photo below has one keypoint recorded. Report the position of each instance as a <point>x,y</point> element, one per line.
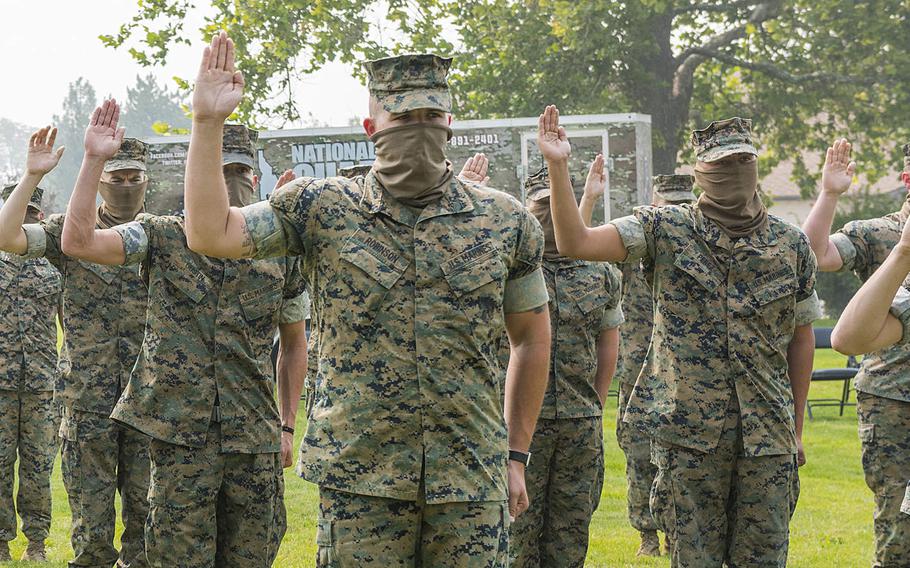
<point>714,394</point>
<point>407,438</point>
<point>30,298</point>
<point>883,391</point>
<point>566,472</point>
<point>202,389</point>
<point>104,319</point>
<point>635,337</point>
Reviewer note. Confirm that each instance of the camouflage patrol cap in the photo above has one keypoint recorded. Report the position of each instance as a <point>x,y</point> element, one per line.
<point>34,201</point>
<point>356,170</point>
<point>724,138</point>
<point>906,150</point>
<point>412,81</point>
<point>537,186</point>
<point>237,145</point>
<point>132,155</point>
<point>674,188</point>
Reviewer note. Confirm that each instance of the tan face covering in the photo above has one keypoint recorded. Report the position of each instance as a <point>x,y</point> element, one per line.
<point>121,202</point>
<point>411,162</point>
<point>731,198</point>
<point>240,190</point>
<point>540,208</point>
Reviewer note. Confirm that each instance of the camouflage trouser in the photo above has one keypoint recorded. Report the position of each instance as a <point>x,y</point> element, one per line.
<point>723,507</point>
<point>640,472</point>
<point>884,428</point>
<point>28,429</point>
<point>564,481</point>
<point>209,508</point>
<point>360,531</point>
<point>101,458</point>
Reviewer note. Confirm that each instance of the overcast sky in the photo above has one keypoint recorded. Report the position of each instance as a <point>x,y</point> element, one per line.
<point>46,44</point>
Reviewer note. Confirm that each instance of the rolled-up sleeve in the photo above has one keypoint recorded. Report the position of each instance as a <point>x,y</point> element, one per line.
<point>36,241</point>
<point>135,242</point>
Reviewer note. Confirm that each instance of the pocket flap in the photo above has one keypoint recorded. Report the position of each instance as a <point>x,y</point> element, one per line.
<point>473,268</point>
<point>106,273</point>
<point>194,286</point>
<point>592,300</point>
<point>773,291</point>
<point>376,259</point>
<point>264,301</point>
<point>699,266</point>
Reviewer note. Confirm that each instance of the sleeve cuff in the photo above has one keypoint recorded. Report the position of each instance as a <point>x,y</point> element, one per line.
<point>135,242</point>
<point>846,249</point>
<point>265,229</point>
<point>525,293</point>
<point>36,241</point>
<point>808,310</point>
<point>633,237</point>
<point>613,318</point>
<point>900,308</point>
<point>295,310</point>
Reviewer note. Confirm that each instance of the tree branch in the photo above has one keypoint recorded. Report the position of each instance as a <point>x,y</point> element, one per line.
<point>690,59</point>
<point>724,7</point>
<point>779,73</point>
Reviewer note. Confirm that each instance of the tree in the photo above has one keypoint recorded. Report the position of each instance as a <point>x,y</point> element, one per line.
<point>151,109</point>
<point>13,148</point>
<point>806,71</point>
<point>78,105</point>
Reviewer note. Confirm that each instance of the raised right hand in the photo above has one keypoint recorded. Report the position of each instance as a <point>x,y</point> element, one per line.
<point>838,172</point>
<point>102,137</point>
<point>219,86</point>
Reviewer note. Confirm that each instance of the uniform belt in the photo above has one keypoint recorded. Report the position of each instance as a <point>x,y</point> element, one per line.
<point>216,413</point>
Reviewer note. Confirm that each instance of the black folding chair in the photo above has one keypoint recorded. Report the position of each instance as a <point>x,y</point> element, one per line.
<point>846,374</point>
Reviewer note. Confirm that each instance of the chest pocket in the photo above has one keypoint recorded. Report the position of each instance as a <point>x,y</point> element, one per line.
<point>262,302</point>
<point>700,267</point>
<point>184,285</point>
<point>106,273</point>
<point>477,281</point>
<point>593,301</point>
<point>48,283</point>
<point>369,271</point>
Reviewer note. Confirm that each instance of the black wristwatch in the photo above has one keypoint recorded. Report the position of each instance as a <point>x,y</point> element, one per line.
<point>287,429</point>
<point>520,457</point>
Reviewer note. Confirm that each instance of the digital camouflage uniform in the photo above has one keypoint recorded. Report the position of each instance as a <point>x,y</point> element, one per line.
<point>565,476</point>
<point>883,397</point>
<point>714,394</point>
<point>29,301</point>
<point>104,319</point>
<point>407,439</point>
<point>203,391</point>
<point>635,337</point>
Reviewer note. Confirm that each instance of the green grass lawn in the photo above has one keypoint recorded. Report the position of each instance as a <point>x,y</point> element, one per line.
<point>832,525</point>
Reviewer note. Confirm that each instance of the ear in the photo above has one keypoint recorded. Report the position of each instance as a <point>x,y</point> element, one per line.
<point>41,216</point>
<point>255,181</point>
<point>905,177</point>
<point>369,126</point>
<point>450,120</point>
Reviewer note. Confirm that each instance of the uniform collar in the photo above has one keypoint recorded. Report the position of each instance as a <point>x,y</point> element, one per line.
<point>712,233</point>
<point>378,200</point>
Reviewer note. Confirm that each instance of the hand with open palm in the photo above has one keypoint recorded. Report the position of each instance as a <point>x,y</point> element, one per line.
<point>551,137</point>
<point>838,172</point>
<point>103,137</point>
<point>219,85</point>
<point>42,158</point>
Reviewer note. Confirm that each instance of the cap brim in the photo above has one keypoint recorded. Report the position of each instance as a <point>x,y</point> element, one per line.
<point>404,101</point>
<point>721,152</point>
<point>236,158</point>
<point>114,165</point>
<point>676,195</point>
<point>539,194</point>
